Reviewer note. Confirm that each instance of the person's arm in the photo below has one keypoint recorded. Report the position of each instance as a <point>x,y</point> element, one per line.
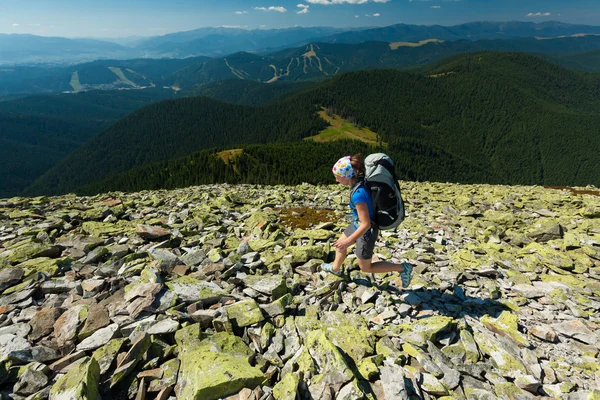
<point>365,224</point>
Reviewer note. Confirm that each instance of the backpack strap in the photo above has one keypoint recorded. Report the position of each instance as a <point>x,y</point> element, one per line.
<point>353,190</point>
<point>373,198</point>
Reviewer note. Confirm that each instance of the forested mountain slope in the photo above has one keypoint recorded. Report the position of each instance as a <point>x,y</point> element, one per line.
<point>516,117</point>
<point>316,60</point>
<point>323,60</point>
<point>171,129</point>
<point>38,131</point>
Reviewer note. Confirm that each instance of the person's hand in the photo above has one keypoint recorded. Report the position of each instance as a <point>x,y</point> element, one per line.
<point>342,243</point>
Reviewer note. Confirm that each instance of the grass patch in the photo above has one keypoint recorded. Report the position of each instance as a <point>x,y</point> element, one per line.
<point>229,155</point>
<point>395,45</point>
<point>342,129</point>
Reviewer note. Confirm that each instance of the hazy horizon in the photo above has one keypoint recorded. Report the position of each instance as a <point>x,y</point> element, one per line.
<point>112,19</point>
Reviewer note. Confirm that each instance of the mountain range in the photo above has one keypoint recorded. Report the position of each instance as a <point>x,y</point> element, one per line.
<point>78,118</point>
<point>308,62</point>
<point>216,42</point>
<point>480,117</point>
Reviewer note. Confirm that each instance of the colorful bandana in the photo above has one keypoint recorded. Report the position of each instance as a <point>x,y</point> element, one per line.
<point>343,168</point>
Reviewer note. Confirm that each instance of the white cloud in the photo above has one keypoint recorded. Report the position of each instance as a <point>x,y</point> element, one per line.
<point>272,8</point>
<point>356,16</point>
<point>330,2</point>
<point>539,14</point>
<point>263,26</point>
<point>435,7</point>
<point>304,9</point>
<point>377,15</point>
<point>241,12</point>
<point>15,25</point>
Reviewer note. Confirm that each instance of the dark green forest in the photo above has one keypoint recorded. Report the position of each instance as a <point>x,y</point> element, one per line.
<point>588,61</point>
<point>172,129</point>
<point>482,117</point>
<point>241,91</point>
<point>39,131</point>
<point>286,163</point>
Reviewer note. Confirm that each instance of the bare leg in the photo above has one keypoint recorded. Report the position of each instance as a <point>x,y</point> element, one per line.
<point>378,267</point>
<point>340,256</point>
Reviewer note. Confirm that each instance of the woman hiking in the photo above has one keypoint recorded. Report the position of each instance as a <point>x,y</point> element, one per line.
<point>348,171</point>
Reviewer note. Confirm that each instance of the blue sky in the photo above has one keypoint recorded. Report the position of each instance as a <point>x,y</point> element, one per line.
<point>122,18</point>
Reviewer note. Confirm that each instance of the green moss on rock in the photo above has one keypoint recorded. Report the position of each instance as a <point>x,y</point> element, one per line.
<point>208,375</point>
<point>79,383</point>
<point>420,331</point>
<point>287,388</point>
<point>245,313</point>
<point>506,325</point>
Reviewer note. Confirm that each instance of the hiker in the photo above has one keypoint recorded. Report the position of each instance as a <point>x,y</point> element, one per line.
<point>348,171</point>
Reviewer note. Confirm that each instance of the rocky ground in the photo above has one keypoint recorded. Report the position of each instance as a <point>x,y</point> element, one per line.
<point>215,292</point>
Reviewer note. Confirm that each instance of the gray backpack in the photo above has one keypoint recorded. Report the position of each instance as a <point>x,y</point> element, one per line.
<point>380,180</point>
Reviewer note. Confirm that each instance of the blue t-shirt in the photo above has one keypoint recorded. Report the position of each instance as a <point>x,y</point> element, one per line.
<point>361,195</point>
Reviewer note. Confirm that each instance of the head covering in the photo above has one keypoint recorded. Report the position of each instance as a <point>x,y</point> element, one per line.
<point>343,168</point>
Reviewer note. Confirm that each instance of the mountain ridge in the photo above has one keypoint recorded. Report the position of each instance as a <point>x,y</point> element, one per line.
<point>512,128</point>
<point>218,45</point>
<point>309,62</point>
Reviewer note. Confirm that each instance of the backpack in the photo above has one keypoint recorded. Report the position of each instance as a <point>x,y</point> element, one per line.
<point>380,180</point>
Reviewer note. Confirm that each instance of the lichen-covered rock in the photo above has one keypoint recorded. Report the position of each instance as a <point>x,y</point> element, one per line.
<point>272,285</point>
<point>315,234</point>
<point>67,325</point>
<point>433,386</point>
<point>191,290</point>
<point>545,231</point>
<point>506,325</point>
<point>79,383</point>
<point>349,332</point>
<point>420,331</point>
<point>328,359</point>
<point>100,229</point>
<point>99,338</point>
<point>476,272</point>
<point>508,364</point>
<point>127,363</point>
<point>107,354</point>
<point>245,313</point>
<point>217,368</point>
<point>287,388</point>
<point>278,307</point>
<point>29,249</point>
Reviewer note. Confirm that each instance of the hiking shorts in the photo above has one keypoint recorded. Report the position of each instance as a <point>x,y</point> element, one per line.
<point>366,243</point>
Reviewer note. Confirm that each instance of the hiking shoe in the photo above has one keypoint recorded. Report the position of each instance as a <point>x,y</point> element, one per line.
<point>406,274</point>
<point>329,268</point>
